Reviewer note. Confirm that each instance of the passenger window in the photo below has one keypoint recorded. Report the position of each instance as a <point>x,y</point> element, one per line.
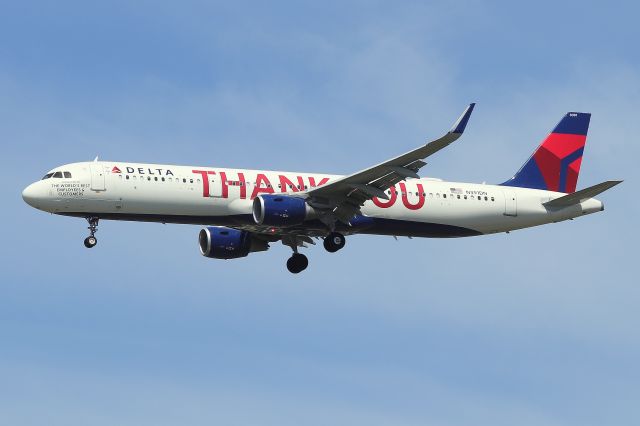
<point>162,179</point>
<point>444,195</point>
<point>57,175</point>
<point>438,195</point>
<point>465,197</point>
<point>148,177</point>
<point>190,180</point>
<point>458,196</point>
<point>492,199</point>
<point>67,175</point>
<point>155,178</point>
<point>184,180</point>
<point>485,198</point>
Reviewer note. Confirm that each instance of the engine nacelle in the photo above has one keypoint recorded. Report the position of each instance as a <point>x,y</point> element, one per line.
<point>220,242</point>
<point>280,210</point>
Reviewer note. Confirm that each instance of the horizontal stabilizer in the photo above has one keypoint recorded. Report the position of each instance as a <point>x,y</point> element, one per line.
<point>584,194</point>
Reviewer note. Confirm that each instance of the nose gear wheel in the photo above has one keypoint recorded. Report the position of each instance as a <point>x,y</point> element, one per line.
<point>91,240</point>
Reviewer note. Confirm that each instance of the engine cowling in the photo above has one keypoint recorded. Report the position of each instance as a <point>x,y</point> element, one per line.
<point>220,242</point>
<point>280,210</point>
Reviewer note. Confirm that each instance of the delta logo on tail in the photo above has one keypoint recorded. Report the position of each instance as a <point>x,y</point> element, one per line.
<point>555,165</point>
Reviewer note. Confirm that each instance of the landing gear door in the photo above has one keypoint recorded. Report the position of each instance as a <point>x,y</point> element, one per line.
<point>510,203</point>
<point>97,177</point>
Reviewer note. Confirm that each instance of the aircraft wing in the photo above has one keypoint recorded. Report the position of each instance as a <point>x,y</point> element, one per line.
<point>343,198</point>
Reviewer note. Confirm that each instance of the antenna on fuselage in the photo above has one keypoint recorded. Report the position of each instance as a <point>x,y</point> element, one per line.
<point>95,160</point>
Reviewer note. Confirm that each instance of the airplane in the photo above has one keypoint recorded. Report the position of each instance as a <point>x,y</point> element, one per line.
<point>243,211</point>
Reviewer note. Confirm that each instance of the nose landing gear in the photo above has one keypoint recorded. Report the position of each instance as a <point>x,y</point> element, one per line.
<point>91,240</point>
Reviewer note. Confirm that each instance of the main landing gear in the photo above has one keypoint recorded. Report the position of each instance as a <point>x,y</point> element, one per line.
<point>298,262</point>
<point>334,242</point>
<point>91,240</point>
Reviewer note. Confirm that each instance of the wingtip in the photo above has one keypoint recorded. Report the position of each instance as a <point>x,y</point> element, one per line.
<point>461,123</point>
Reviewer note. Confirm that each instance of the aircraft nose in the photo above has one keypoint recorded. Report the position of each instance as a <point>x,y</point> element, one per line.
<point>30,195</point>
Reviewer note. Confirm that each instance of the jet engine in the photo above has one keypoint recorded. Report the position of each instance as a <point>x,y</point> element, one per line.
<point>219,242</point>
<point>280,210</point>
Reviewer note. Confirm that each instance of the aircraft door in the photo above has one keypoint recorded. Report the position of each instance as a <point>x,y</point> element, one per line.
<point>97,177</point>
<point>510,203</point>
<point>215,186</point>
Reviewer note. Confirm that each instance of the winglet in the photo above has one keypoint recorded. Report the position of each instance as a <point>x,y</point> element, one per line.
<point>461,123</point>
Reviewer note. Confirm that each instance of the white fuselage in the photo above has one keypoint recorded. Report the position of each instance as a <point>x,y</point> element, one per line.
<point>217,196</point>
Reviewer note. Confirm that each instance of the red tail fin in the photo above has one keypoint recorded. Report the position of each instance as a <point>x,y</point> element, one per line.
<point>555,165</point>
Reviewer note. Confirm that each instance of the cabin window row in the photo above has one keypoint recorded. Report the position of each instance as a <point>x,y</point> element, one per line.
<point>451,196</point>
<point>472,197</point>
<point>268,185</point>
<point>161,179</point>
<point>300,187</point>
<point>229,183</point>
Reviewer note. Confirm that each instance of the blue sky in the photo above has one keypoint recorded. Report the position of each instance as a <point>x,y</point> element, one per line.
<point>536,327</point>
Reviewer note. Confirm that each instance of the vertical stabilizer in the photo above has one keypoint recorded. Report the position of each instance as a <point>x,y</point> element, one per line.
<point>555,165</point>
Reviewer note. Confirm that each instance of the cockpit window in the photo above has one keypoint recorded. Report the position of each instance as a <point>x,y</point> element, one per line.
<point>67,174</point>
<point>47,176</point>
<point>57,175</point>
